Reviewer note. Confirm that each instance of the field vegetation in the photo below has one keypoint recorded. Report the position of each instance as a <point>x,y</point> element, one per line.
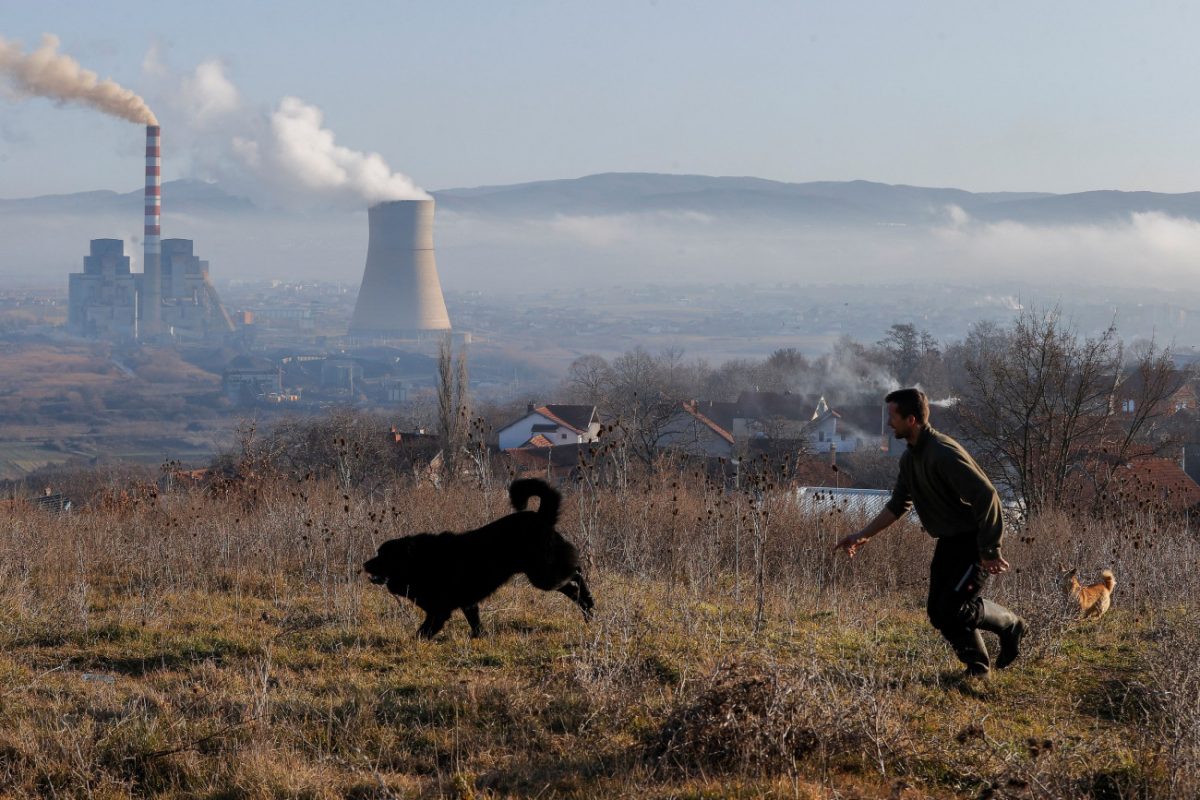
<point>219,641</point>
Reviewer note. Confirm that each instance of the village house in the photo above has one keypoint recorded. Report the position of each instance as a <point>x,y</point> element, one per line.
<point>691,432</point>
<point>1145,483</point>
<point>848,429</point>
<point>775,415</point>
<point>555,465</point>
<point>1181,395</point>
<point>551,426</point>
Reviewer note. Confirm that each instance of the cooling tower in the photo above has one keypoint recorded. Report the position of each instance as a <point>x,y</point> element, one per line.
<point>400,295</point>
<point>152,265</point>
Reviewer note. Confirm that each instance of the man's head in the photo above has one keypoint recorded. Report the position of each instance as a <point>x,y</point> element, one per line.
<point>908,412</point>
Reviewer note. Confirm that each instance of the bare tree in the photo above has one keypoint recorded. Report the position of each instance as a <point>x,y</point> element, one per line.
<point>1041,404</point>
<point>588,379</point>
<point>453,404</point>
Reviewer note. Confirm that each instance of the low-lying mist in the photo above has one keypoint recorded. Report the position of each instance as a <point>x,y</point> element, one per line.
<point>521,253</point>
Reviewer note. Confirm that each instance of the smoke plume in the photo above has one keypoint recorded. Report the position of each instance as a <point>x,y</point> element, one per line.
<point>281,156</point>
<point>294,151</point>
<point>47,73</point>
<point>207,94</point>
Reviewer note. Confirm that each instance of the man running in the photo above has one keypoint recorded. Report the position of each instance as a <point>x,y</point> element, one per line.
<point>959,507</point>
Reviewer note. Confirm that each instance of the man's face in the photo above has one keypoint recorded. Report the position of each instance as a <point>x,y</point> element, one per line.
<point>901,426</point>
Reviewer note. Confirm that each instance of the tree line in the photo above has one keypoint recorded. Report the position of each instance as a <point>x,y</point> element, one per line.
<point>1050,412</point>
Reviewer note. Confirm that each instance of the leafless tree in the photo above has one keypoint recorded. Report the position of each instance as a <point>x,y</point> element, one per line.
<point>1041,405</point>
<point>453,404</point>
<point>588,379</point>
<point>645,398</point>
<point>642,394</point>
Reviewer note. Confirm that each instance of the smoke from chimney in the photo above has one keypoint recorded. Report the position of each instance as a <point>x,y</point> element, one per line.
<point>47,73</point>
<point>294,151</point>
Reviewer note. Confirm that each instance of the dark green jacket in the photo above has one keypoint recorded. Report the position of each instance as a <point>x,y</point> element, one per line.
<point>950,491</point>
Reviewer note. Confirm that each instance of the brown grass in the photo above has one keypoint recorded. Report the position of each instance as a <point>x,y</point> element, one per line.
<point>222,643</point>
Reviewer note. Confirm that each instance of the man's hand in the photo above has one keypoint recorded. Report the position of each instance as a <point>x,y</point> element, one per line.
<point>851,543</point>
<point>994,566</point>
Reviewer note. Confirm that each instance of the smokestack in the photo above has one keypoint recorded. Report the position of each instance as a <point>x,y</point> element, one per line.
<point>152,264</point>
<point>400,295</point>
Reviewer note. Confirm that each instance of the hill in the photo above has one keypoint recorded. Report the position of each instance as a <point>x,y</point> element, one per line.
<point>838,202</point>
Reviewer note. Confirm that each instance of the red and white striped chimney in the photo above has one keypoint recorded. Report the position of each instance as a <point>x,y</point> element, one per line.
<point>152,264</point>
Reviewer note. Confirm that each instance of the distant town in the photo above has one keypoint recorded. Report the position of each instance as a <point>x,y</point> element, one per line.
<point>268,349</point>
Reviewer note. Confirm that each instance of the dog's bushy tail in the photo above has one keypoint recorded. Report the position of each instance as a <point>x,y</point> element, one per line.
<point>520,492</point>
<point>1109,580</point>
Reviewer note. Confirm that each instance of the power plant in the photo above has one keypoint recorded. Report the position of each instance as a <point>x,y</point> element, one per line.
<point>173,296</point>
<point>401,295</point>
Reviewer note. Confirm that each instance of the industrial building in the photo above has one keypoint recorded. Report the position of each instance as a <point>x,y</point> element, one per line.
<point>105,300</point>
<point>173,295</point>
<point>102,300</point>
<point>190,305</point>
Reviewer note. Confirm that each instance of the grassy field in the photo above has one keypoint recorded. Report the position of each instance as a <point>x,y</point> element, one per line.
<point>221,643</point>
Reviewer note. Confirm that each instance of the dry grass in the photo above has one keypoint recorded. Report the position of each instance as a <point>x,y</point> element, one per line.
<point>223,644</point>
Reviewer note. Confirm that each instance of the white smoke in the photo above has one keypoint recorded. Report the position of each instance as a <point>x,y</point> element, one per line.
<point>296,151</point>
<point>207,94</point>
<point>47,73</point>
<point>284,156</point>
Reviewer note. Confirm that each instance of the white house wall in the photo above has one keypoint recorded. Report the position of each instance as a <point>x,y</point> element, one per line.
<point>522,431</point>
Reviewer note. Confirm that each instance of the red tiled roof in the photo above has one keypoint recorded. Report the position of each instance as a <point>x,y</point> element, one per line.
<point>538,441</point>
<point>562,459</point>
<point>714,427</point>
<point>1159,479</point>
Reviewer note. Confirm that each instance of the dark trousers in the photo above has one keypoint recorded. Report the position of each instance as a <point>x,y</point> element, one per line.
<point>956,605</point>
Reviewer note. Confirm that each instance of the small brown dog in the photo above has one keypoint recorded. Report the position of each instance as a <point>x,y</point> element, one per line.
<point>1093,600</point>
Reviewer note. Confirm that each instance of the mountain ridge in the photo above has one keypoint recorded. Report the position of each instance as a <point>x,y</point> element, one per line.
<point>855,202</point>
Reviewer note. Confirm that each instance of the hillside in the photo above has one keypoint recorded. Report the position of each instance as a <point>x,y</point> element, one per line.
<point>221,642</point>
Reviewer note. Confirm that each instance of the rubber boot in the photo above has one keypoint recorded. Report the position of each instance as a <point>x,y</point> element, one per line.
<point>1008,626</point>
<point>971,651</point>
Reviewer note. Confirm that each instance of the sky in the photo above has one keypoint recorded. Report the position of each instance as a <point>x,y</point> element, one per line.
<point>984,96</point>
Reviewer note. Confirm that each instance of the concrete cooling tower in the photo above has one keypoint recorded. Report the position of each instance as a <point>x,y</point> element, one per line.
<point>400,296</point>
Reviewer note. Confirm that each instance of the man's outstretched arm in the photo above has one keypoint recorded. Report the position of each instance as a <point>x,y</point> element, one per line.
<point>854,541</point>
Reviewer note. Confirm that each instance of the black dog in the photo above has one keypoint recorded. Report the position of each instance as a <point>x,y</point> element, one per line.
<point>444,571</point>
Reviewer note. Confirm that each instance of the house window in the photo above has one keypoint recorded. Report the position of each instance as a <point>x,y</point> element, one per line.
<point>821,436</point>
<point>562,436</point>
<point>1181,405</point>
<point>1127,406</point>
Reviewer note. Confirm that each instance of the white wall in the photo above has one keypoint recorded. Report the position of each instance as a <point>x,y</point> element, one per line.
<point>521,432</point>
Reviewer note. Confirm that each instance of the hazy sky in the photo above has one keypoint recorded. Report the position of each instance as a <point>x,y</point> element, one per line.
<point>1060,97</point>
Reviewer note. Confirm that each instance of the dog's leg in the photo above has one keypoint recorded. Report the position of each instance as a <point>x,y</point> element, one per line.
<point>472,615</point>
<point>434,620</point>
